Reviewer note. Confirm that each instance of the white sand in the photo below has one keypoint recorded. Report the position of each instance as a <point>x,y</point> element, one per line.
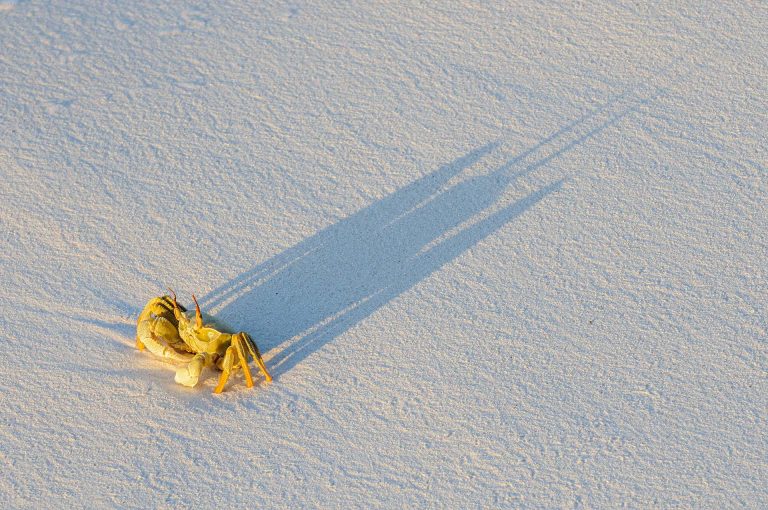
<point>495,256</point>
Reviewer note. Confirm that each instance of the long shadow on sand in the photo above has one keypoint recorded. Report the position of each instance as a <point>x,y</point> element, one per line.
<point>303,298</point>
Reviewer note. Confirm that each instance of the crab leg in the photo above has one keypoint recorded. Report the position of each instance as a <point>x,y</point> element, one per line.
<point>157,307</point>
<point>237,341</point>
<point>254,350</point>
<point>226,367</point>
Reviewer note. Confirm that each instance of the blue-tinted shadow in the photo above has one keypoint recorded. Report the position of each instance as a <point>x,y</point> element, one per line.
<point>306,296</point>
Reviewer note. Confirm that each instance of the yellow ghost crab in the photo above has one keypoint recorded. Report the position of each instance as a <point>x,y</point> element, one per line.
<point>164,329</point>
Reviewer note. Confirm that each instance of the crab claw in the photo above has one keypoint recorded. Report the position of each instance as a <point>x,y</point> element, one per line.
<point>198,314</point>
<point>189,375</point>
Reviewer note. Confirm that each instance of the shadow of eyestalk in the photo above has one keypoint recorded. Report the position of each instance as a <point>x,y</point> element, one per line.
<point>306,296</point>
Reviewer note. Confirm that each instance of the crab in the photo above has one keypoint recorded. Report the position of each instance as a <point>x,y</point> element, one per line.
<point>165,329</point>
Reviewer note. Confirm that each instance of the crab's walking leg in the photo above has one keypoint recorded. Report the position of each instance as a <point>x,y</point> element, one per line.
<point>254,350</point>
<point>237,341</point>
<point>190,374</point>
<point>226,368</point>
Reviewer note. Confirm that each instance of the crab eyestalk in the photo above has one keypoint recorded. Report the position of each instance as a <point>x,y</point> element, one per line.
<point>176,308</point>
<point>198,314</point>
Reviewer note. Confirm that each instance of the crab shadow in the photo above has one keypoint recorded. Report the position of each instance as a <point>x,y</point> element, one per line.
<point>303,298</point>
